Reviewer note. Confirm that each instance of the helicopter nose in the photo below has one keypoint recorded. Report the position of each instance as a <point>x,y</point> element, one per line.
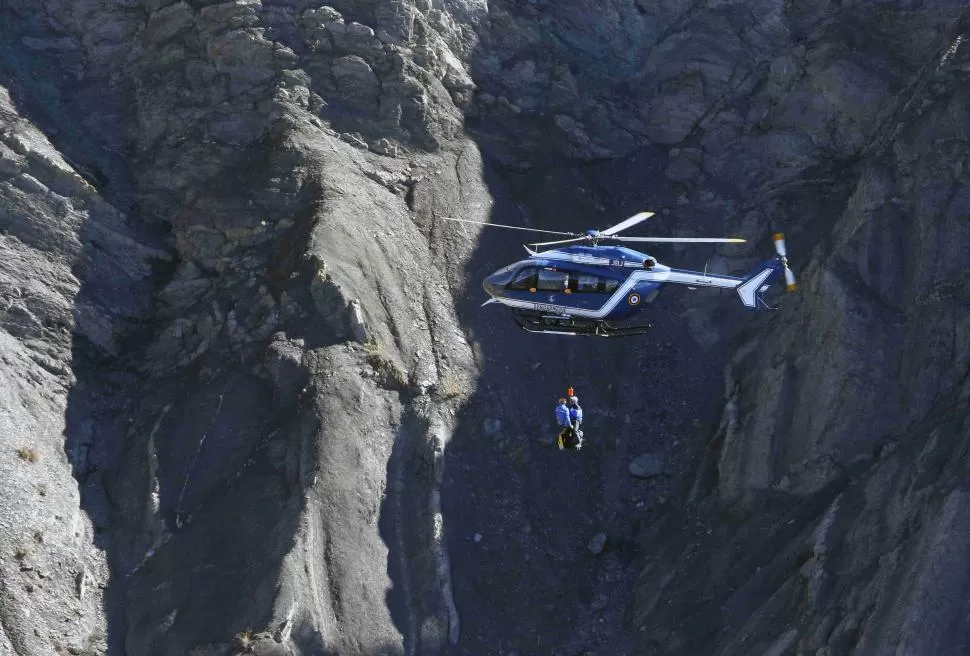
<point>490,285</point>
<point>494,283</point>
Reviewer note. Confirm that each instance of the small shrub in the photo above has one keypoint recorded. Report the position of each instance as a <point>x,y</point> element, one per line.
<point>28,453</point>
<point>452,386</point>
<point>389,375</point>
<point>373,348</point>
<point>21,554</point>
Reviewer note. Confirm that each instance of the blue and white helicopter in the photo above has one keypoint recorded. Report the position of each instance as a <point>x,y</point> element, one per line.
<point>586,288</point>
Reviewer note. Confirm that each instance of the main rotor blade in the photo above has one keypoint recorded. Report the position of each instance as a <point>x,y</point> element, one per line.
<point>499,225</point>
<point>685,240</point>
<point>623,225</point>
<point>561,241</point>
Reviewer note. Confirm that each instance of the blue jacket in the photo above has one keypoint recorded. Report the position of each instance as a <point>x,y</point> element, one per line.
<point>562,415</point>
<point>575,413</point>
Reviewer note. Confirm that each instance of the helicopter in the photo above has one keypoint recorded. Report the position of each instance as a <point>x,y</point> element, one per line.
<point>587,287</point>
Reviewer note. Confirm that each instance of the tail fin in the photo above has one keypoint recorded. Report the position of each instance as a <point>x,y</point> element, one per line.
<point>752,288</point>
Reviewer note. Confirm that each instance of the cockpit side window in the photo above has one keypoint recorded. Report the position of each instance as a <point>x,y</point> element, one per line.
<point>524,280</point>
<point>552,281</point>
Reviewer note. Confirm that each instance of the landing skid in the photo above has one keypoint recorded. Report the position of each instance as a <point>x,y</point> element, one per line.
<point>558,325</point>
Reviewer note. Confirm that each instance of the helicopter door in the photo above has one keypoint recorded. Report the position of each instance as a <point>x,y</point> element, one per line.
<point>551,280</point>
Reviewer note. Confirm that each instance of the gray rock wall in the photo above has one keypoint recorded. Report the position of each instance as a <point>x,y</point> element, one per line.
<point>52,560</point>
<point>244,409</point>
<point>835,408</point>
<point>249,401</point>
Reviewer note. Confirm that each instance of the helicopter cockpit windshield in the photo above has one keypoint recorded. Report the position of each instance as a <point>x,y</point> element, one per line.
<point>502,277</point>
<point>524,280</point>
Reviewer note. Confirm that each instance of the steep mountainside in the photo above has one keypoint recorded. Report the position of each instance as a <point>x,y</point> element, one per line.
<point>248,399</point>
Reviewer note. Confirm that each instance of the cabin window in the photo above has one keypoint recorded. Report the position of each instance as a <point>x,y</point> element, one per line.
<point>588,284</point>
<point>551,281</point>
<point>524,280</point>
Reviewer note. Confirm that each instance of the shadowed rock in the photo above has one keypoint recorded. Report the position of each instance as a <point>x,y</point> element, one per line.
<point>244,378</point>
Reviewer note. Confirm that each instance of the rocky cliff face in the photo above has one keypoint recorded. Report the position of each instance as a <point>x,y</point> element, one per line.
<point>247,394</point>
<point>249,401</point>
<point>840,449</point>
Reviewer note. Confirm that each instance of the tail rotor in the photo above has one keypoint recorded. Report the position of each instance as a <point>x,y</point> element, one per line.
<point>780,249</point>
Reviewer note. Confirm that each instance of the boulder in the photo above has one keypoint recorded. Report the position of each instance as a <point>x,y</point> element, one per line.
<point>648,465</point>
<point>597,543</point>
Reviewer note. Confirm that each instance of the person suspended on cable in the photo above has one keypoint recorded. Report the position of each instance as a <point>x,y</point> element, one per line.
<point>564,423</point>
<point>576,419</point>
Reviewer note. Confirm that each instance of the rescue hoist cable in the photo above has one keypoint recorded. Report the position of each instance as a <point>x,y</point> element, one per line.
<point>570,391</point>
